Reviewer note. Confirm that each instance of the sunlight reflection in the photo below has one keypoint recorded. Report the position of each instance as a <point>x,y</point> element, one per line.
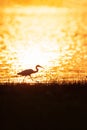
<point>52,37</point>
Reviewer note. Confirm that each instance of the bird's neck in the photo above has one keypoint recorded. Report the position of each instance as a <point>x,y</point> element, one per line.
<point>36,69</point>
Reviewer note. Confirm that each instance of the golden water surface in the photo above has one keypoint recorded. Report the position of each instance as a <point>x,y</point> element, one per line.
<point>55,38</point>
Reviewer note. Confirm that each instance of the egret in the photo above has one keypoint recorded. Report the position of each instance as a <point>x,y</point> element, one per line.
<point>28,72</point>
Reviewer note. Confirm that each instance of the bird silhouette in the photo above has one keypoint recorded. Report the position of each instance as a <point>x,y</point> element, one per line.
<point>28,72</point>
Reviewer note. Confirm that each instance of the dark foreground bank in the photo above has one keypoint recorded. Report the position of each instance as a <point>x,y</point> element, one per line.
<point>43,106</point>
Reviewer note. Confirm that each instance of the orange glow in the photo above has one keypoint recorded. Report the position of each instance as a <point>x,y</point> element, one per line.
<point>75,4</point>
<point>47,2</point>
<point>43,35</point>
<point>58,3</point>
<point>32,2</point>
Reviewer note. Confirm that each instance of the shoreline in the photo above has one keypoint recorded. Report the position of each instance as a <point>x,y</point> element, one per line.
<point>57,84</point>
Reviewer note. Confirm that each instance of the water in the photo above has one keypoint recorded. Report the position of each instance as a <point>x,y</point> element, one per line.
<point>55,38</point>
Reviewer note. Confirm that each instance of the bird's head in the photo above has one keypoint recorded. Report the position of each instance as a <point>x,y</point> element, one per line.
<point>38,66</point>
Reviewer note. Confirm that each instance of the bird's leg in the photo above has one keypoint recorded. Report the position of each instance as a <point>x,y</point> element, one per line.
<point>31,77</point>
<point>24,78</point>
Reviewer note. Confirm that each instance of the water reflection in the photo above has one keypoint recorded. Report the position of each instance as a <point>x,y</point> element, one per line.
<point>55,38</point>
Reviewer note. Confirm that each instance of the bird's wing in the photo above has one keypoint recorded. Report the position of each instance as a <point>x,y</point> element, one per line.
<point>26,72</point>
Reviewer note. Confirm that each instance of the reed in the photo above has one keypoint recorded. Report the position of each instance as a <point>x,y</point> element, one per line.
<point>43,106</point>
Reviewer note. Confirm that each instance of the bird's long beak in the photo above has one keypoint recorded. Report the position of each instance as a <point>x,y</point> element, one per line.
<point>42,67</point>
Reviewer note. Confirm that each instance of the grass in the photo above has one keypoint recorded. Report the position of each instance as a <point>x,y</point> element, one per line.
<point>42,106</point>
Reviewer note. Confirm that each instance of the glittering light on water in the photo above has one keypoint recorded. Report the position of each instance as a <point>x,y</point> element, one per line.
<point>47,36</point>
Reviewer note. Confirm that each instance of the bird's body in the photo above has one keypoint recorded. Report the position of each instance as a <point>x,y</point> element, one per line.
<point>28,72</point>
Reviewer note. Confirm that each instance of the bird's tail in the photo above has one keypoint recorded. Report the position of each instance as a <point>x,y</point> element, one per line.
<point>19,73</point>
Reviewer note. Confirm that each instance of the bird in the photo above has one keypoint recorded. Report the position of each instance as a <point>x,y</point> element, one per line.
<point>28,72</point>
